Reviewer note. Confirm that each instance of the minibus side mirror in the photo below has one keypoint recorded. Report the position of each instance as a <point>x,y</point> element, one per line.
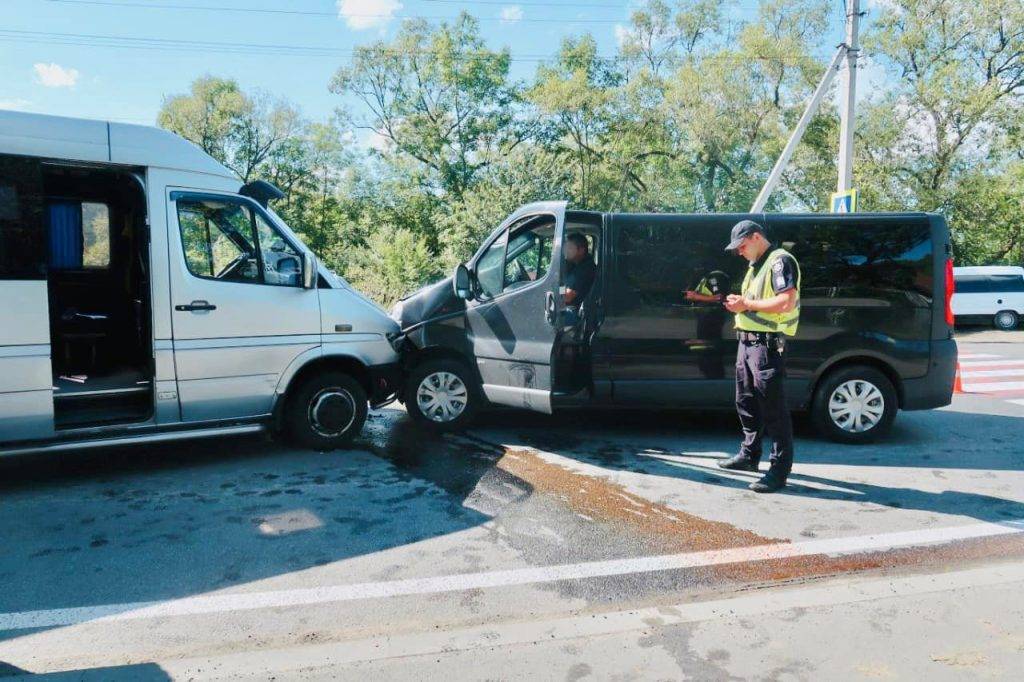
<point>308,270</point>
<point>463,283</point>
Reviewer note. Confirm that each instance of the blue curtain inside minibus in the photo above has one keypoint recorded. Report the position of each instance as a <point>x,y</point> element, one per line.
<point>64,220</point>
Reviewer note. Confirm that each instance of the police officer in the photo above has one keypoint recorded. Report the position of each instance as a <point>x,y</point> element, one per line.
<point>767,311</point>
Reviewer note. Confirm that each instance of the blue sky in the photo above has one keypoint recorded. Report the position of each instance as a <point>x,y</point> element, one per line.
<point>52,61</point>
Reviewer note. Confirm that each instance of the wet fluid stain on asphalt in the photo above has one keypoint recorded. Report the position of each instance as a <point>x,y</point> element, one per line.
<point>458,463</point>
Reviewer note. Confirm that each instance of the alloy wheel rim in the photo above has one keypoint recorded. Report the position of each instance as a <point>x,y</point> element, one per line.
<point>331,412</point>
<point>856,406</point>
<point>1004,320</point>
<point>442,397</point>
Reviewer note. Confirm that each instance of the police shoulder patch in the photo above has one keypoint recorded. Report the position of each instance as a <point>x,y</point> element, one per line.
<point>778,265</point>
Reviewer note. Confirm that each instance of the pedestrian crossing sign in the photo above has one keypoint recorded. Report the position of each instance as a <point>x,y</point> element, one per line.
<point>845,202</point>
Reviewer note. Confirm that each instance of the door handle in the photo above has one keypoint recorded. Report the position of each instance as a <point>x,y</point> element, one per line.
<point>549,307</point>
<point>195,306</point>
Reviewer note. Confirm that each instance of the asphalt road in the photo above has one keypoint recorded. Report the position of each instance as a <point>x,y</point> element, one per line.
<point>595,545</point>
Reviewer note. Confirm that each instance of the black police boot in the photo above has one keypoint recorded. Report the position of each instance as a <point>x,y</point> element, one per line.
<point>772,481</point>
<point>738,462</point>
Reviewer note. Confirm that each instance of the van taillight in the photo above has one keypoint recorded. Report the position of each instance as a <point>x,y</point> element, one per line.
<point>949,292</point>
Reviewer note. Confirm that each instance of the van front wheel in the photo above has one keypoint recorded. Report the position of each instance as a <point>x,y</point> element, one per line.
<point>443,395</point>
<point>854,405</point>
<point>1006,320</point>
<point>326,411</point>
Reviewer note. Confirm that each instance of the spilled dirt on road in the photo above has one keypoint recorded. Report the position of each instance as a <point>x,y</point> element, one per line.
<point>664,529</point>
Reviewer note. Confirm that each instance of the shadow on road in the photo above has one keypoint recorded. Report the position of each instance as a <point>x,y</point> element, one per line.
<point>129,525</point>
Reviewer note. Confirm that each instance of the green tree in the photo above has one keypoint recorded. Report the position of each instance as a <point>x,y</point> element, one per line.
<point>391,264</point>
<point>439,96</point>
<point>241,131</point>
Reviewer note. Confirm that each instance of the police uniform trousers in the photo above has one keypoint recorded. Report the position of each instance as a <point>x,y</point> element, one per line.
<point>761,399</point>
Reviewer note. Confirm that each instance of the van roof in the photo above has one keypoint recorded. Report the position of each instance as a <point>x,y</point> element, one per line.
<point>989,270</point>
<point>80,139</point>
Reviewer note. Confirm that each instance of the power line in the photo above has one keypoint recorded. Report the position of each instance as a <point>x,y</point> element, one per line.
<point>177,44</point>
<point>319,13</point>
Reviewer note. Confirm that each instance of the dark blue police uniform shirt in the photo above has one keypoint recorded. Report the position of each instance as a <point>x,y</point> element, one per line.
<point>580,277</point>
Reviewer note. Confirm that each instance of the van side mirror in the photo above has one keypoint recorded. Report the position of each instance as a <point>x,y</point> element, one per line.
<point>463,283</point>
<point>308,270</point>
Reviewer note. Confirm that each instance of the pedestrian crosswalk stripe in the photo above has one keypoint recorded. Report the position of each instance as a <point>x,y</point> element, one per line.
<point>1011,372</point>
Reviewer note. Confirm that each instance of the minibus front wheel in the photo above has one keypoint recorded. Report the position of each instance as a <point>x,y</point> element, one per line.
<point>326,411</point>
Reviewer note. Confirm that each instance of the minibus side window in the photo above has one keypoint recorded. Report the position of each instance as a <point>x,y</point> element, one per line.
<point>231,241</point>
<point>219,240</point>
<point>22,234</point>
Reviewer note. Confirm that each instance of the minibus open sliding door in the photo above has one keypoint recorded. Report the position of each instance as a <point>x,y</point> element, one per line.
<point>26,381</point>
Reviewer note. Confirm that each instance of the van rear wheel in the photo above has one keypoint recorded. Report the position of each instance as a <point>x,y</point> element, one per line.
<point>443,395</point>
<point>326,411</point>
<point>1006,320</point>
<point>854,404</point>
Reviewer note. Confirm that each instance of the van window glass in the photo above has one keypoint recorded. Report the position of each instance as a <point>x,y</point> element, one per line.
<point>989,284</point>
<point>871,259</point>
<point>22,233</point>
<point>529,255</point>
<point>282,264</point>
<point>490,267</point>
<point>658,259</point>
<point>95,235</point>
<point>219,240</point>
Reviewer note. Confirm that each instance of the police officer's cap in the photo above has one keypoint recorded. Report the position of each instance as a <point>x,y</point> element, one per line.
<point>741,231</point>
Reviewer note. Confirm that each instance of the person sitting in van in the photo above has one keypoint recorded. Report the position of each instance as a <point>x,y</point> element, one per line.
<point>582,270</point>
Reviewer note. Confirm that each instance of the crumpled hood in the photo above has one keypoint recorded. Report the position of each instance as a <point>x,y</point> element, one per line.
<point>433,300</point>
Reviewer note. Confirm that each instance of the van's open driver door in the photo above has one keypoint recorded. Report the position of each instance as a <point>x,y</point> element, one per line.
<point>514,325</point>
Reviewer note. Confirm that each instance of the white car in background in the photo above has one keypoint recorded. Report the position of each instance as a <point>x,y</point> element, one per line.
<point>989,294</point>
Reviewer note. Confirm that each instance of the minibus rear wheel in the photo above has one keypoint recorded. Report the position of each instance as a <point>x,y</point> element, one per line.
<point>326,411</point>
<point>442,394</point>
<point>854,404</point>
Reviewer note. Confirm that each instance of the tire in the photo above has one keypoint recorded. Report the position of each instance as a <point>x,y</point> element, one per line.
<point>456,386</point>
<point>1006,320</point>
<point>849,384</point>
<point>326,411</point>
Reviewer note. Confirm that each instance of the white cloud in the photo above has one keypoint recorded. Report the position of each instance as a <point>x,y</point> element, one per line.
<point>55,76</point>
<point>15,104</point>
<point>511,14</point>
<point>377,142</point>
<point>364,14</point>
<point>621,34</point>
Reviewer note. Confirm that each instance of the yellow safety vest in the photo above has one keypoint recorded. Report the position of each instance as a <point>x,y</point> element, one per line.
<point>759,287</point>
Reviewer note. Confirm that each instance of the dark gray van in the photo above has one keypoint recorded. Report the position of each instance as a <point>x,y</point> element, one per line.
<point>876,321</point>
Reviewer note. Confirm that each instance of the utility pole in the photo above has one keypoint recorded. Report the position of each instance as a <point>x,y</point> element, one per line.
<point>849,98</point>
<point>848,50</point>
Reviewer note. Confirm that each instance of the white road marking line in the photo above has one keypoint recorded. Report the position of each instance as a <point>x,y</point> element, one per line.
<point>965,373</point>
<point>975,356</point>
<point>1016,401</point>
<point>234,601</point>
<point>994,387</point>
